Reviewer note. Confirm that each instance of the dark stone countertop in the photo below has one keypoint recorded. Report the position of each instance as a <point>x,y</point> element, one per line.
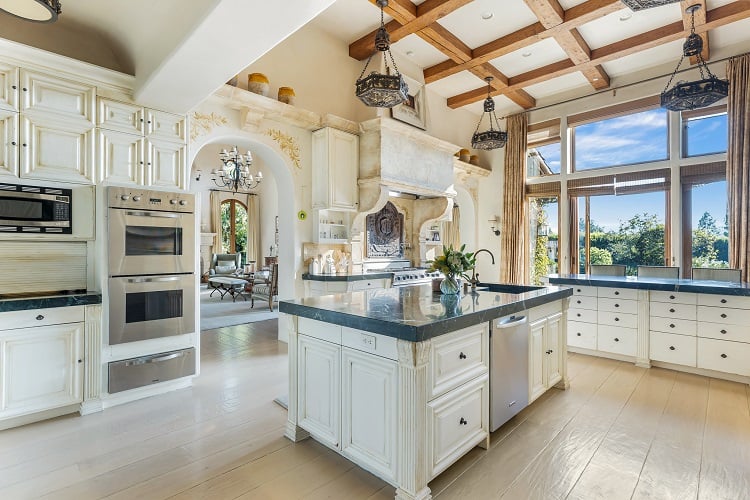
<point>46,301</point>
<point>347,277</point>
<point>663,284</point>
<point>414,313</point>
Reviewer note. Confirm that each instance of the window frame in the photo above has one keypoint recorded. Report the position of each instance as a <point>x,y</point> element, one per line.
<point>697,114</point>
<point>233,202</point>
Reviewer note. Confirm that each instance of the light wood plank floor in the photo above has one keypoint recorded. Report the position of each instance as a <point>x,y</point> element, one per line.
<point>618,432</point>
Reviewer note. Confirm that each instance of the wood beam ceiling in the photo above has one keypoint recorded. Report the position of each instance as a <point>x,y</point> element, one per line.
<point>720,16</point>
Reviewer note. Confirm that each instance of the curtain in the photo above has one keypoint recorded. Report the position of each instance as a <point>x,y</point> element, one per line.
<point>512,240</point>
<point>738,162</point>
<point>253,230</point>
<point>216,199</point>
<point>451,230</point>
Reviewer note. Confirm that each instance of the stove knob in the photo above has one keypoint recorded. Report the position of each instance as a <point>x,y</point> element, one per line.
<point>173,202</point>
<point>183,202</point>
<point>125,197</point>
<point>136,198</point>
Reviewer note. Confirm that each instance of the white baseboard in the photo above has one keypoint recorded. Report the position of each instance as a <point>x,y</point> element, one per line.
<point>38,416</point>
<point>110,400</point>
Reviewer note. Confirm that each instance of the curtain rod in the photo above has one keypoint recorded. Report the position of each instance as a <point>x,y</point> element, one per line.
<point>233,192</point>
<point>614,89</point>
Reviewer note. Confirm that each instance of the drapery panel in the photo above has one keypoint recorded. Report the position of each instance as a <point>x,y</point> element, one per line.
<point>253,231</point>
<point>451,230</point>
<point>512,240</point>
<point>738,162</point>
<point>216,200</point>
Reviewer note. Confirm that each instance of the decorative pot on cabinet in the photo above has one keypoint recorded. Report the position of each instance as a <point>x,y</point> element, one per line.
<point>286,95</point>
<point>258,84</point>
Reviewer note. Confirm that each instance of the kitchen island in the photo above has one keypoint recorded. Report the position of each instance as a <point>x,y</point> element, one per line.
<point>397,380</point>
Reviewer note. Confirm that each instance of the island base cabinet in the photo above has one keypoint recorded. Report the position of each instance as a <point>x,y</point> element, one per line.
<point>545,354</point>
<point>724,356</point>
<point>319,389</point>
<point>40,368</point>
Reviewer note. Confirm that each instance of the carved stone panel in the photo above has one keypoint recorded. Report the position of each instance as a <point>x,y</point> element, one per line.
<point>385,232</point>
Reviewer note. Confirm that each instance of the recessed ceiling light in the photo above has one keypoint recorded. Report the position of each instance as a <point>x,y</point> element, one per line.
<point>487,15</point>
<point>625,16</point>
<point>526,54</point>
<point>409,53</point>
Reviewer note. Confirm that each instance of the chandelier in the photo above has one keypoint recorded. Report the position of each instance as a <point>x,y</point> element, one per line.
<point>41,11</point>
<point>697,94</point>
<point>377,89</point>
<point>235,171</point>
<point>489,139</point>
<point>646,4</point>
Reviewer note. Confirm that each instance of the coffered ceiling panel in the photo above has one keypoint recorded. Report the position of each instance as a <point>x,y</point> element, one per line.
<point>567,4</point>
<point>534,56</point>
<point>733,34</point>
<point>559,84</point>
<point>664,56</point>
<point>626,23</point>
<point>467,23</point>
<point>417,51</point>
<point>350,19</point>
<point>460,82</point>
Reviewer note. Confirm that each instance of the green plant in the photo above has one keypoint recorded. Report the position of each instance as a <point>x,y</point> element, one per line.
<point>454,262</point>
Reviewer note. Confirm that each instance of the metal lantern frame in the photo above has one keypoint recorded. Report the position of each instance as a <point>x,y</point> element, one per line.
<point>492,138</point>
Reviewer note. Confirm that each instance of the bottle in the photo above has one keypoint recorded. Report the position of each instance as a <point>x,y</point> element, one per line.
<point>316,265</point>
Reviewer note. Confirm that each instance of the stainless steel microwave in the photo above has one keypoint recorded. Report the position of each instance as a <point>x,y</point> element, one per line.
<point>35,209</point>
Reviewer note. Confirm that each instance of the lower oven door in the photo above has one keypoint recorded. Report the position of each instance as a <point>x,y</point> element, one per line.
<point>148,307</point>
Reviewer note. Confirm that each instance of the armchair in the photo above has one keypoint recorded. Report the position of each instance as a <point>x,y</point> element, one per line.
<point>265,289</point>
<point>224,264</point>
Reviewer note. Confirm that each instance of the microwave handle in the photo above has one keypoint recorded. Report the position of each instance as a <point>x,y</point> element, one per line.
<point>153,280</point>
<point>166,215</point>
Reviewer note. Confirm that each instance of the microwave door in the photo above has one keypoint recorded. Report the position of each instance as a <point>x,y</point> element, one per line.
<point>143,242</point>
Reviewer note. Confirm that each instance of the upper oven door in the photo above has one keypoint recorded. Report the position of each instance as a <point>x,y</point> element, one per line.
<point>146,242</point>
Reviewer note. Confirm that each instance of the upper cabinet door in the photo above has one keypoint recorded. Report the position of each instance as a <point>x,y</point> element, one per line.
<point>166,126</point>
<point>8,87</point>
<point>120,157</point>
<point>47,94</point>
<point>57,149</point>
<point>165,164</point>
<point>121,117</point>
<point>335,169</point>
<point>8,143</point>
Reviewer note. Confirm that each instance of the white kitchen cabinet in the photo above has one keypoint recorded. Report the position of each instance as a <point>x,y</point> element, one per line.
<point>54,149</point>
<point>545,354</point>
<point>8,87</point>
<point>40,368</point>
<point>8,143</point>
<point>133,119</point>
<point>331,226</point>
<point>335,170</point>
<point>165,164</point>
<point>315,288</point>
<point>320,389</point>
<point>120,157</point>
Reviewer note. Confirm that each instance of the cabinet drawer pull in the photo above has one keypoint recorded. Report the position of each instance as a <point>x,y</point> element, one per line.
<point>671,325</point>
<point>671,297</point>
<point>671,348</point>
<point>724,356</point>
<point>617,305</point>
<point>723,315</point>
<point>578,301</point>
<point>617,319</point>
<point>723,301</point>
<point>617,293</point>
<point>671,309</point>
<point>578,314</point>
<point>40,317</point>
<point>24,144</point>
<point>463,421</point>
<point>578,289</point>
<point>578,334</point>
<point>80,361</point>
<point>461,356</point>
<point>724,332</point>
<point>616,339</point>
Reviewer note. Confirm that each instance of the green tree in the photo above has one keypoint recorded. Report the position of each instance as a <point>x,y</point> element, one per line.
<point>600,256</point>
<point>707,223</point>
<point>541,257</point>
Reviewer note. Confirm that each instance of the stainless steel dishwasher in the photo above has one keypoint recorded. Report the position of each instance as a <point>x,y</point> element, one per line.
<point>509,367</point>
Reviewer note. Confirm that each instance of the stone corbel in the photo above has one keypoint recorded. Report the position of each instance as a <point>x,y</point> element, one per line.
<point>250,119</point>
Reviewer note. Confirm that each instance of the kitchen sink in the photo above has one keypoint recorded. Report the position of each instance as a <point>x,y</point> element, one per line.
<point>506,288</point>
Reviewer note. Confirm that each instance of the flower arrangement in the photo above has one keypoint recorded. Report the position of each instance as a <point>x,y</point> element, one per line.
<point>454,262</point>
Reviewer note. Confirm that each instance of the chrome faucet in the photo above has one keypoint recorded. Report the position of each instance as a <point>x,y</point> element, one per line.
<point>474,274</point>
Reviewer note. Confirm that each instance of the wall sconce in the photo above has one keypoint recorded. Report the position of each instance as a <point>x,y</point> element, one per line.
<point>495,226</point>
<point>198,174</point>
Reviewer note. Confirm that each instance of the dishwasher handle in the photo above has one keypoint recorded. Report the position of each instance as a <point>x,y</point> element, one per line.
<point>510,322</point>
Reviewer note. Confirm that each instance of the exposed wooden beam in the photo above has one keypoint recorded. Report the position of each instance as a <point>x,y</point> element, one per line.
<point>406,20</point>
<point>549,12</point>
<point>500,82</point>
<point>700,19</point>
<point>529,35</point>
<point>720,16</point>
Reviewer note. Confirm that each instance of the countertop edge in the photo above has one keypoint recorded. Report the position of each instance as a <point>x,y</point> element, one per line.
<point>24,304</point>
<point>658,284</point>
<point>346,277</point>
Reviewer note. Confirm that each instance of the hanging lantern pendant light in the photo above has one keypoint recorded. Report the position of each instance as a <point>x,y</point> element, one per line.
<point>377,89</point>
<point>697,94</point>
<point>489,139</point>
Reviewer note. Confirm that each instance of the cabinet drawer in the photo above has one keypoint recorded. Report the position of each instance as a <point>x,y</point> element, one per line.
<point>584,315</point>
<point>678,311</point>
<point>617,340</point>
<point>582,335</point>
<point>374,343</point>
<point>724,356</point>
<point>456,422</point>
<point>589,291</point>
<point>618,305</point>
<point>146,370</point>
<point>672,325</point>
<point>457,358</point>
<point>677,349</point>
<point>583,302</point>
<point>707,299</point>
<point>319,330</point>
<point>618,319</point>
<point>366,284</point>
<point>673,297</point>
<point>617,293</point>
<point>41,317</point>
<point>735,333</point>
<point>723,315</point>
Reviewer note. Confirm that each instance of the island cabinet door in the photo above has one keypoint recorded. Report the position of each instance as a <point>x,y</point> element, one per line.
<point>537,376</point>
<point>369,404</point>
<point>552,351</point>
<point>319,389</point>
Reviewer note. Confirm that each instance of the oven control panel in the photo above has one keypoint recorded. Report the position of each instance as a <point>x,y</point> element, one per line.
<point>144,199</point>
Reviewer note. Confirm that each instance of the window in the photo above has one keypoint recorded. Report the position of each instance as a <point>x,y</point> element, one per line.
<point>704,131</point>
<point>621,140</point>
<point>543,238</point>
<point>234,227</point>
<point>543,160</point>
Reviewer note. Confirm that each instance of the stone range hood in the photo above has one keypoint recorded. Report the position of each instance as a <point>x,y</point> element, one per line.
<point>394,156</point>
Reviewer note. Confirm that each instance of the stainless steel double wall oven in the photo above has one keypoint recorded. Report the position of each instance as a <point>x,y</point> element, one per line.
<point>151,264</point>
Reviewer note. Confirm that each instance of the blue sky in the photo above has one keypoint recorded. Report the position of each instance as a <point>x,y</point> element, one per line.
<point>639,138</point>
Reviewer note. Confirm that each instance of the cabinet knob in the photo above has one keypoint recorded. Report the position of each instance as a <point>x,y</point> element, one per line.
<point>617,293</point>
<point>723,301</point>
<point>671,310</point>
<point>578,314</point>
<point>671,297</point>
<point>25,89</point>
<point>461,356</point>
<point>80,361</point>
<point>723,315</point>
<point>724,356</point>
<point>578,289</point>
<point>578,334</point>
<point>13,143</point>
<point>617,319</point>
<point>550,351</point>
<point>40,317</point>
<point>13,87</point>
<point>463,421</point>
<point>671,348</point>
<point>616,339</point>
<point>724,332</point>
<point>578,301</point>
<point>617,305</point>
<point>24,144</point>
<point>671,325</point>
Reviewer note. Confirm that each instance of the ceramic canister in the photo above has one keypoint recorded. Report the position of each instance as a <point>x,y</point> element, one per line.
<point>286,95</point>
<point>258,84</point>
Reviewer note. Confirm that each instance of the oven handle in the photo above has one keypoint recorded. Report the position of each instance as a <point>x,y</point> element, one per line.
<point>154,360</point>
<point>164,215</point>
<point>152,280</point>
